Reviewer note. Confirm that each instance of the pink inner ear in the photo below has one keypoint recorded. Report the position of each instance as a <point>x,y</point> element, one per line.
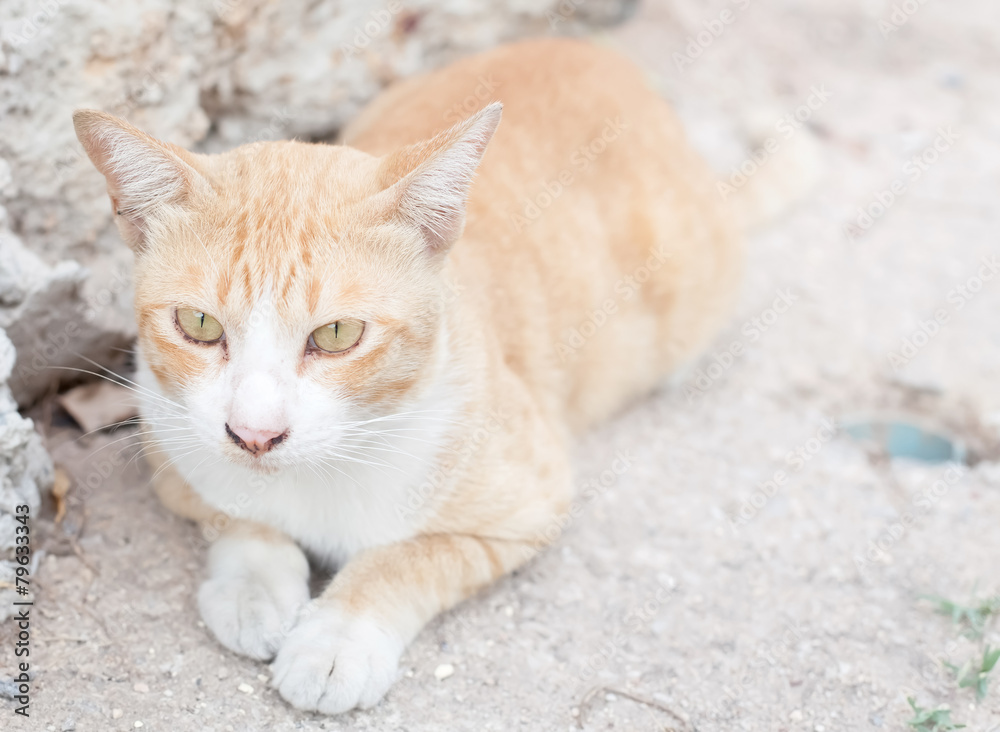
<point>142,173</point>
<point>438,174</point>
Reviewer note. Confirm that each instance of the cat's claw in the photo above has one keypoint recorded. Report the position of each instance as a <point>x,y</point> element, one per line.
<point>331,663</point>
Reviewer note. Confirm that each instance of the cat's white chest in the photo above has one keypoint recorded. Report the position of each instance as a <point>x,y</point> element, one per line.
<point>333,514</point>
<point>378,492</point>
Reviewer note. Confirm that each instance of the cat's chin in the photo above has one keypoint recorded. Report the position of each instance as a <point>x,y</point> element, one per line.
<point>261,465</point>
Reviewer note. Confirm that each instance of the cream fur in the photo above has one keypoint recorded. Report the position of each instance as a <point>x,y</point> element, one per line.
<point>432,457</point>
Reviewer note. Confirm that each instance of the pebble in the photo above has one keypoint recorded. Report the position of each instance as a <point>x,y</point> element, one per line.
<point>222,673</point>
<point>137,724</point>
<point>795,716</point>
<point>444,671</point>
<point>117,713</point>
<point>245,688</point>
<point>141,688</point>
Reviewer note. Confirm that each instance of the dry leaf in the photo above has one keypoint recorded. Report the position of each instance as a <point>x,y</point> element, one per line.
<point>98,404</point>
<point>60,489</point>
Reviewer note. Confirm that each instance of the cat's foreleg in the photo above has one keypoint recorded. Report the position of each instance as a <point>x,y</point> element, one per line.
<point>258,578</point>
<point>345,650</point>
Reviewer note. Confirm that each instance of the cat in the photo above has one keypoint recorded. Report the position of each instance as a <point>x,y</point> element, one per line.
<point>377,353</point>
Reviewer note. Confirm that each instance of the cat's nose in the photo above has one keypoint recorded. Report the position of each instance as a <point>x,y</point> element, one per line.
<point>255,442</point>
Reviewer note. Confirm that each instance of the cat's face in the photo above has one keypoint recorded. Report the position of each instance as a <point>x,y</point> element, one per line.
<point>285,292</point>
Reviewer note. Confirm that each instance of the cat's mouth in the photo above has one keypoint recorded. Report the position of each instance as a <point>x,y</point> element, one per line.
<point>265,465</point>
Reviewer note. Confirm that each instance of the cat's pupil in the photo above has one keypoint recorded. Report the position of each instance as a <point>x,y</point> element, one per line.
<point>202,317</point>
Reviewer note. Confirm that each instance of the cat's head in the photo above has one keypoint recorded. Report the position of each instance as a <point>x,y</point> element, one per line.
<point>285,291</point>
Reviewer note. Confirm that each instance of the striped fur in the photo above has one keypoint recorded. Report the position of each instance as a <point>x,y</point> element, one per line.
<point>431,458</point>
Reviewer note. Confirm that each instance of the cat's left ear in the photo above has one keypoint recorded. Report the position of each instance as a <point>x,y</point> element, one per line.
<point>144,175</point>
<point>429,182</point>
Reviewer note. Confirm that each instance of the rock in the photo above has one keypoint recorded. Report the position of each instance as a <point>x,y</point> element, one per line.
<point>54,318</point>
<point>443,671</point>
<point>208,75</point>
<point>25,471</point>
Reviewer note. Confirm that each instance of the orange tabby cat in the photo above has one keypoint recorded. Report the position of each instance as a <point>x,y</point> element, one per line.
<point>355,351</point>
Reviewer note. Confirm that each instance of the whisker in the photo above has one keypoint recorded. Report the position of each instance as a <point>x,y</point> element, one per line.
<point>132,435</point>
<point>125,383</point>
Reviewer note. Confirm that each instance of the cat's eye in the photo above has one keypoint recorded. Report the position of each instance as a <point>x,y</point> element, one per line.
<point>337,337</point>
<point>198,325</point>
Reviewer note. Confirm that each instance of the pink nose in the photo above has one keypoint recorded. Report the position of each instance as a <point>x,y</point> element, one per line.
<point>255,442</point>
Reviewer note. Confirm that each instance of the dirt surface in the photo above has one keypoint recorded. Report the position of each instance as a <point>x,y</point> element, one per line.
<point>728,581</point>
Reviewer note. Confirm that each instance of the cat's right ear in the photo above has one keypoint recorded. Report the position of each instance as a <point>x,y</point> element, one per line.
<point>144,175</point>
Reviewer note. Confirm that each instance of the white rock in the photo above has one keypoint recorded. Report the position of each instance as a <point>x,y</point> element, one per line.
<point>443,671</point>
<point>178,69</point>
<point>25,471</point>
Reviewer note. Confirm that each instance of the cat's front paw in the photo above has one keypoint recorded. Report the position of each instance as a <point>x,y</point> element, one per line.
<point>332,663</point>
<point>248,616</point>
<point>253,595</point>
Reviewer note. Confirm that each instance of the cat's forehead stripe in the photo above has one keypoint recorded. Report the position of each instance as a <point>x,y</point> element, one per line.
<point>289,281</point>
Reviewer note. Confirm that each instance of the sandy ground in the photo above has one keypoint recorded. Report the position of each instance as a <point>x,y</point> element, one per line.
<point>724,602</point>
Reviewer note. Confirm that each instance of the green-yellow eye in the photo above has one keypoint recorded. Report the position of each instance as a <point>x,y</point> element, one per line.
<point>198,325</point>
<point>337,337</point>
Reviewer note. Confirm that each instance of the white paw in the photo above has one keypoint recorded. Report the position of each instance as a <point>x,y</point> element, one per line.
<point>331,663</point>
<point>249,617</point>
<point>252,598</point>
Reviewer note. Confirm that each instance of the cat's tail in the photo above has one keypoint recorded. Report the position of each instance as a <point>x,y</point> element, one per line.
<point>777,173</point>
